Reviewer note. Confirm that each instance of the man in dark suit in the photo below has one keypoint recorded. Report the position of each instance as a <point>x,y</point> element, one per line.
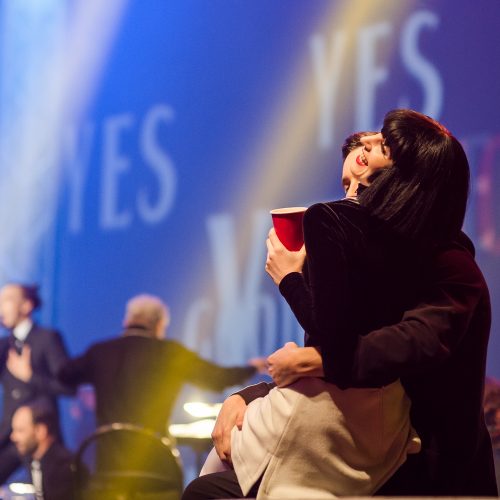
<point>138,376</point>
<point>34,433</point>
<point>30,358</point>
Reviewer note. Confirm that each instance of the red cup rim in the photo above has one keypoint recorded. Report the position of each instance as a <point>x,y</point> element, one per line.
<point>287,210</point>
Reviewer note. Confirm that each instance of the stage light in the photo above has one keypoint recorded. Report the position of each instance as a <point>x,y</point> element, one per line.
<point>201,429</point>
<point>202,410</point>
<point>22,488</point>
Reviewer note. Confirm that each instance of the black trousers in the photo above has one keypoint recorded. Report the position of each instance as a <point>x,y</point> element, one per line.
<point>217,485</point>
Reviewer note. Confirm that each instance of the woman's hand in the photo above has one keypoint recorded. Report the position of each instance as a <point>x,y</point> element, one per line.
<point>291,362</point>
<point>281,261</point>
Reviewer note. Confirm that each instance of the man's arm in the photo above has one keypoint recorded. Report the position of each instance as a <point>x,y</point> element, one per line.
<point>208,375</point>
<point>74,371</point>
<point>55,356</point>
<point>255,391</point>
<point>232,414</point>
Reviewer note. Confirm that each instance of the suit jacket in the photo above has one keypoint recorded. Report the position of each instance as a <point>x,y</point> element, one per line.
<point>137,378</point>
<point>48,354</point>
<point>58,473</point>
<point>438,349</point>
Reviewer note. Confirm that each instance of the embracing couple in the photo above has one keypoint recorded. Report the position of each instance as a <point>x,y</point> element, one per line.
<point>386,395</point>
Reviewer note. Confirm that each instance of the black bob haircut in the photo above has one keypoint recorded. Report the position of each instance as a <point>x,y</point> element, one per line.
<point>423,196</point>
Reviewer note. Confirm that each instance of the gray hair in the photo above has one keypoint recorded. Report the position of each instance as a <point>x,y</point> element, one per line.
<point>146,311</point>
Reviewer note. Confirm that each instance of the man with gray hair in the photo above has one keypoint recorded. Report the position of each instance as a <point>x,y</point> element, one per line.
<point>138,376</point>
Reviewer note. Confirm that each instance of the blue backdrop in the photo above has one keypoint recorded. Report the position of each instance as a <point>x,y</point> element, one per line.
<point>144,142</point>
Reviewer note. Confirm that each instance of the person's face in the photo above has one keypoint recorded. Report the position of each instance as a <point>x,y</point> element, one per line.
<point>24,432</point>
<point>374,155</point>
<point>14,307</point>
<point>352,163</point>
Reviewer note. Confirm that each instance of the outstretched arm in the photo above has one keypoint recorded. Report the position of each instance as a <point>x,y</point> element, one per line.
<point>55,357</point>
<point>76,371</point>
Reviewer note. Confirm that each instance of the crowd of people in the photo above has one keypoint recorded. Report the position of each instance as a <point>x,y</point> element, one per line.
<point>136,377</point>
<point>384,398</point>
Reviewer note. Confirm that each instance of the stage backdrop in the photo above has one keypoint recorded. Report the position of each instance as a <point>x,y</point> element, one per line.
<point>144,142</point>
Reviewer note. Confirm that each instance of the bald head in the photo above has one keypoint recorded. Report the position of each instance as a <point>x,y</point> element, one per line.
<point>149,312</point>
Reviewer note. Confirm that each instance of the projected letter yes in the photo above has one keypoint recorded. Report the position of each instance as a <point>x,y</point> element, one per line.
<point>120,150</point>
<point>330,59</point>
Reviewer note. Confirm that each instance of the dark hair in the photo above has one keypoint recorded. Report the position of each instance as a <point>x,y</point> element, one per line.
<point>42,412</point>
<point>30,292</point>
<point>424,194</point>
<point>353,141</point>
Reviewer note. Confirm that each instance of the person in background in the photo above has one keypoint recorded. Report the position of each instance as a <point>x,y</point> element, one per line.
<point>34,434</point>
<point>492,416</point>
<point>30,358</point>
<point>138,376</point>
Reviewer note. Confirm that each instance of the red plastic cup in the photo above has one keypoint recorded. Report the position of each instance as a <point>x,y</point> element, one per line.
<point>288,226</point>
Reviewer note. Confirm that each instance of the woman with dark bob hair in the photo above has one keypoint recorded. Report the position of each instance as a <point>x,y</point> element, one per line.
<point>424,195</point>
<point>331,433</point>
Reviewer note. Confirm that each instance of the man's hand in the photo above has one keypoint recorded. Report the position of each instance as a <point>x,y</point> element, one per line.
<point>281,261</point>
<point>19,365</point>
<point>291,362</point>
<point>260,364</point>
<point>282,364</point>
<point>231,414</point>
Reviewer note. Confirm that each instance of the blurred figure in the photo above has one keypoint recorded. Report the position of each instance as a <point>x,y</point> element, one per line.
<point>30,358</point>
<point>34,433</point>
<point>492,416</point>
<point>138,376</point>
<point>82,413</point>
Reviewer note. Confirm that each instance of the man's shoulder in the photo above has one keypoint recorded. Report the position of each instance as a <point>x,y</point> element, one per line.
<point>134,342</point>
<point>106,343</point>
<point>44,334</point>
<point>57,452</point>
